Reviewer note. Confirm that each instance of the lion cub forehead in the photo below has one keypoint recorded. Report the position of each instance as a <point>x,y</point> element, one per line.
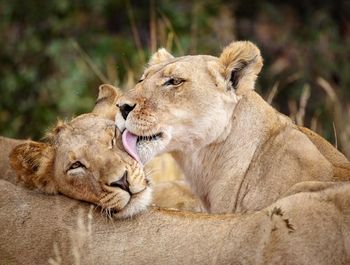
<point>83,128</point>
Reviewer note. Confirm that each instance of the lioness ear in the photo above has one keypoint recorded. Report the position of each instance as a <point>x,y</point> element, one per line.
<point>242,63</point>
<point>33,165</point>
<point>160,56</point>
<point>106,101</point>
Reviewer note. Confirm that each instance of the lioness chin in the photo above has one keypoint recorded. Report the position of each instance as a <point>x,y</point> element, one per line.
<point>237,152</point>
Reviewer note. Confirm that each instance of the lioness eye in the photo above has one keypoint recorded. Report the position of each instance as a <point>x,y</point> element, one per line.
<point>76,165</point>
<point>173,82</point>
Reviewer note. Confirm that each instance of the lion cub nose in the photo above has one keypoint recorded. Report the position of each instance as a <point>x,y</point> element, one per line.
<point>122,183</point>
<point>125,109</point>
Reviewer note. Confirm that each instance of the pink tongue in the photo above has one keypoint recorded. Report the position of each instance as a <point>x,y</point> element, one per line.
<point>129,143</point>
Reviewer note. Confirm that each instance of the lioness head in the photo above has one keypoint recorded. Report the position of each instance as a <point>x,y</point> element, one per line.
<point>185,103</point>
<point>84,159</point>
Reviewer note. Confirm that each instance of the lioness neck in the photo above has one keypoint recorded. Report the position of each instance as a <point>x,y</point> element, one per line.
<point>241,173</point>
<point>222,165</point>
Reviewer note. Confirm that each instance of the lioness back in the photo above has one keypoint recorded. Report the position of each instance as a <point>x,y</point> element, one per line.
<point>340,163</point>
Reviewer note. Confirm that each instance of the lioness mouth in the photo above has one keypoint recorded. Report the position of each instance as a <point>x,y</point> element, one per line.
<point>153,137</point>
<point>131,140</point>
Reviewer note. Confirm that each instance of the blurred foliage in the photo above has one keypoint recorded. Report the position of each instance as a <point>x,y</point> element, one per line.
<point>54,54</point>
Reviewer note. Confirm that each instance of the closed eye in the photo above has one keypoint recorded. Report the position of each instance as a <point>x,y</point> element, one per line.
<point>76,165</point>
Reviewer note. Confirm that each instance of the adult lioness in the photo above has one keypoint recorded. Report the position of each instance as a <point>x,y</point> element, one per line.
<point>83,160</point>
<point>237,152</point>
<point>306,228</point>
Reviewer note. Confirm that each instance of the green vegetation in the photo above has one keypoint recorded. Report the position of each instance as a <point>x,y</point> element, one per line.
<point>54,54</point>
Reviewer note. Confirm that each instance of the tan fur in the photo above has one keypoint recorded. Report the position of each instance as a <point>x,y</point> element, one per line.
<point>161,56</point>
<point>6,146</point>
<point>306,228</point>
<point>95,143</point>
<point>177,195</point>
<point>171,193</point>
<point>84,130</point>
<point>106,101</point>
<point>340,163</point>
<point>163,167</point>
<point>237,152</point>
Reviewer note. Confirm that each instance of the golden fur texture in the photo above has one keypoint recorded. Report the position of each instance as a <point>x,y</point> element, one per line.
<point>175,194</point>
<point>163,167</point>
<point>106,101</point>
<point>85,131</point>
<point>340,164</point>
<point>168,191</point>
<point>238,153</point>
<point>306,228</point>
<point>84,160</point>
<point>6,146</point>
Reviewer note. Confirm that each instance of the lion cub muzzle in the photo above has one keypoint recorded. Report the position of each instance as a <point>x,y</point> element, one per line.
<point>122,183</point>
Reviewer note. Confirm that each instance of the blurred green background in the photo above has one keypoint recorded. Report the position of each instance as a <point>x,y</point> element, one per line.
<point>54,54</point>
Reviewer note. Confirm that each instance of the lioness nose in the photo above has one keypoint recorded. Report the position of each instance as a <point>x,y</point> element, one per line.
<point>125,109</point>
<point>122,183</point>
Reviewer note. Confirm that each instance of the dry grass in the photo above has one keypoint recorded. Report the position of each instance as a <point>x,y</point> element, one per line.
<point>341,116</point>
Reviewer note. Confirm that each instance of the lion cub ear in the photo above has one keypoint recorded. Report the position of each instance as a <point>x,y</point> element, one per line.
<point>105,105</point>
<point>160,56</point>
<point>33,165</point>
<point>242,63</point>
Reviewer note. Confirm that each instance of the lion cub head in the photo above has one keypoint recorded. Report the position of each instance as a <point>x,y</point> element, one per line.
<point>185,103</point>
<point>84,159</point>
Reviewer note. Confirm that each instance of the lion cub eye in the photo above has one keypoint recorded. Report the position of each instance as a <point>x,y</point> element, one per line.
<point>174,82</point>
<point>75,165</point>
